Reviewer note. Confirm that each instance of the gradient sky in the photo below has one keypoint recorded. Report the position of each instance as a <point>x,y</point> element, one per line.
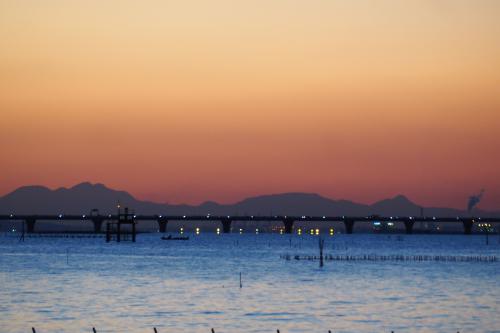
<point>187,101</point>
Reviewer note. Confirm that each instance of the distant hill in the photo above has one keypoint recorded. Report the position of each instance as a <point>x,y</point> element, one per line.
<point>81,198</point>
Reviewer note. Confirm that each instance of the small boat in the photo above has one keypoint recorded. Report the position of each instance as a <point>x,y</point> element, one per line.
<point>169,237</point>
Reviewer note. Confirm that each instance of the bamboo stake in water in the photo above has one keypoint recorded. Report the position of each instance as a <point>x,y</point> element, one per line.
<point>321,245</point>
<point>241,285</point>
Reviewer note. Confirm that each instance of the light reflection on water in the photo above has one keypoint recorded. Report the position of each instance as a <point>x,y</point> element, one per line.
<point>72,285</point>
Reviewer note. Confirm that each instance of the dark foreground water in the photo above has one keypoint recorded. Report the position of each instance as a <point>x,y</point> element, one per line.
<point>72,285</point>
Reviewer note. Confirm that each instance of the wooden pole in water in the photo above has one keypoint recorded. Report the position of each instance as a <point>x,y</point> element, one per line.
<point>321,245</point>
<point>93,330</point>
<point>154,328</point>
<point>213,330</point>
<point>33,330</point>
<point>241,285</point>
<point>22,235</point>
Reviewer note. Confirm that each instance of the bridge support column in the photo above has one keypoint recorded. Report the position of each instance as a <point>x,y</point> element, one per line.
<point>349,226</point>
<point>97,224</point>
<point>468,226</point>
<point>162,224</point>
<point>30,225</point>
<point>288,222</point>
<point>409,227</point>
<point>226,225</point>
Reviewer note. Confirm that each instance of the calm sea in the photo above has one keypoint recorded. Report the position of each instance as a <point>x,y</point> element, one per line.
<point>73,284</point>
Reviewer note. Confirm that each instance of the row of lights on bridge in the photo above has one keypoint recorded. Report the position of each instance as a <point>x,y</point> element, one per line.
<point>281,231</point>
<point>275,216</point>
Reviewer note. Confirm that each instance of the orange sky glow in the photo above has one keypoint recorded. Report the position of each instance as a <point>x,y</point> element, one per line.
<point>187,101</point>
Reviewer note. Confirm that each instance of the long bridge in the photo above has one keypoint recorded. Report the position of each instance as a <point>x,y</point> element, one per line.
<point>288,221</point>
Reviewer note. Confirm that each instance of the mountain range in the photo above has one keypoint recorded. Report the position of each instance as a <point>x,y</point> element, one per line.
<point>82,198</point>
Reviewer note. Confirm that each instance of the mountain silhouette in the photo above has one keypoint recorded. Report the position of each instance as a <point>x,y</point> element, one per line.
<point>82,198</point>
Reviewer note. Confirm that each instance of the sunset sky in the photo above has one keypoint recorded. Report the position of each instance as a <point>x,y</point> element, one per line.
<point>187,101</point>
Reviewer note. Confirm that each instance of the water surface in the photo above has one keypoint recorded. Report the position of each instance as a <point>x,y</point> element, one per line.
<point>72,285</point>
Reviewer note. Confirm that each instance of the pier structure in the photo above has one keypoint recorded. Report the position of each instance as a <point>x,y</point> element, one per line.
<point>115,229</point>
<point>226,221</point>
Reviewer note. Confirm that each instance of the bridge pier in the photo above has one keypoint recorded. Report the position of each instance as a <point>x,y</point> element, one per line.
<point>97,224</point>
<point>409,227</point>
<point>162,224</point>
<point>226,225</point>
<point>30,225</point>
<point>288,222</point>
<point>468,226</point>
<point>349,226</point>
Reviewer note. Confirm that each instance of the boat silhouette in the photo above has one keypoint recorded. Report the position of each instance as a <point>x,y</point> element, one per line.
<point>169,237</point>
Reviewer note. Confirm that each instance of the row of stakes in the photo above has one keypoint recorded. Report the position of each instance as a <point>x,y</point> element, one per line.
<point>156,331</point>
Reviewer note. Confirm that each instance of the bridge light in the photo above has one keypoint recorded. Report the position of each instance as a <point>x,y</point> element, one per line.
<point>197,231</point>
<point>299,231</point>
<point>312,231</point>
<point>317,231</point>
<point>218,231</point>
<point>60,215</point>
<point>324,217</point>
<point>241,231</point>
<point>228,216</point>
<point>11,215</point>
<point>83,216</point>
<point>251,216</point>
<point>257,231</point>
<point>331,231</point>
<point>184,216</point>
<point>303,217</point>
<point>182,230</point>
<point>160,216</point>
